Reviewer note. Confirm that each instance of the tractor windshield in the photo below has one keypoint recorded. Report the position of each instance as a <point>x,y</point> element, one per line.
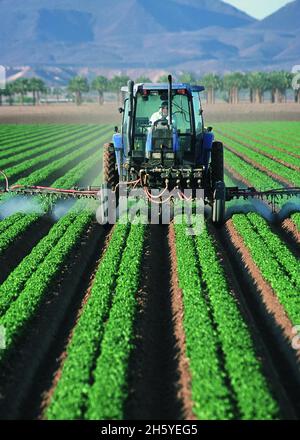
<point>149,110</point>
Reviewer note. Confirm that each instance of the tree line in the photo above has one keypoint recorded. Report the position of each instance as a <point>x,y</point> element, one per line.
<point>229,86</point>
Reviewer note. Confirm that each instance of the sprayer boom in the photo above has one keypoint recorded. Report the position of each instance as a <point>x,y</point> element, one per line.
<point>272,195</point>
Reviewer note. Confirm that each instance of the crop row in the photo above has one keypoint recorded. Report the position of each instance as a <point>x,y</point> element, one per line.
<point>286,259</point>
<point>262,149</point>
<point>214,325</point>
<point>70,399</point>
<point>274,167</point>
<point>34,148</point>
<point>273,270</point>
<point>19,223</point>
<point>16,318</point>
<point>16,281</point>
<point>15,230</point>
<point>25,133</point>
<point>284,134</point>
<point>70,146</point>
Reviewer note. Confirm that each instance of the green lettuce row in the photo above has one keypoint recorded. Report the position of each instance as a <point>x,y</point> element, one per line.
<point>31,149</point>
<point>254,398</point>
<point>17,140</point>
<point>274,244</point>
<point>257,178</point>
<point>25,306</point>
<point>8,237</point>
<point>23,223</point>
<point>109,391</point>
<point>270,268</point>
<point>16,281</point>
<point>69,400</point>
<point>9,221</point>
<point>212,400</point>
<point>70,146</point>
<point>287,173</point>
<point>247,149</point>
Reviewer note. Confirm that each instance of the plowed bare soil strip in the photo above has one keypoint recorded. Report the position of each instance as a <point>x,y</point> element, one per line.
<point>289,226</point>
<point>30,370</point>
<point>154,374</point>
<point>271,320</point>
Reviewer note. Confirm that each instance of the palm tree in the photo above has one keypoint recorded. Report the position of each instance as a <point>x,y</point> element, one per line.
<point>20,86</point>
<point>211,83</point>
<point>187,77</point>
<point>233,82</point>
<point>36,86</point>
<point>100,83</point>
<point>278,83</point>
<point>258,83</point>
<point>78,85</point>
<point>116,83</point>
<point>163,79</point>
<point>10,92</point>
<point>143,79</point>
<point>57,92</point>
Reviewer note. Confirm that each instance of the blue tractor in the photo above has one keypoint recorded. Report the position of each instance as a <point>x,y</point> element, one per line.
<point>163,144</point>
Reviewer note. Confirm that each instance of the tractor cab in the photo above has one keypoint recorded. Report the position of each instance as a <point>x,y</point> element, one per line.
<point>162,129</point>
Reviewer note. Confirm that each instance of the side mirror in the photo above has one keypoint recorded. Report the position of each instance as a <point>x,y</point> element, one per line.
<point>121,110</point>
<point>201,111</point>
<point>209,129</point>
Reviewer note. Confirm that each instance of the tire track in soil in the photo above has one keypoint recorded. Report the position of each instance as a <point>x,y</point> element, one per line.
<point>28,374</point>
<point>267,319</point>
<point>154,370</point>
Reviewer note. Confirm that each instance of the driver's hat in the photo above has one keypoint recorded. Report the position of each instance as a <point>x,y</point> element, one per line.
<point>164,104</point>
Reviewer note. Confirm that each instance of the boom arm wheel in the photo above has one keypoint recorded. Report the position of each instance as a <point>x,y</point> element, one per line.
<point>218,207</point>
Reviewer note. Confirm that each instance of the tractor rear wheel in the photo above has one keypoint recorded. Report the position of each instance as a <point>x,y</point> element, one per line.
<point>217,164</point>
<point>110,173</point>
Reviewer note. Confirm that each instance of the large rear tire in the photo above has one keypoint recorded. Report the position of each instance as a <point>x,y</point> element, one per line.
<point>110,173</point>
<point>217,164</point>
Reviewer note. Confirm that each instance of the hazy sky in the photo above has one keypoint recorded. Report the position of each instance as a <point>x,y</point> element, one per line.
<point>258,8</point>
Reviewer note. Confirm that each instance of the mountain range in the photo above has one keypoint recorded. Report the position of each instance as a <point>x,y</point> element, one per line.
<point>58,37</point>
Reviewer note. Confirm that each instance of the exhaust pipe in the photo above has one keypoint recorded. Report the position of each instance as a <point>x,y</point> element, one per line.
<point>170,99</point>
<point>130,115</point>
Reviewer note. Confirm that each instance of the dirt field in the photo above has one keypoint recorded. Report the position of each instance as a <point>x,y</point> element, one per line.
<point>92,113</point>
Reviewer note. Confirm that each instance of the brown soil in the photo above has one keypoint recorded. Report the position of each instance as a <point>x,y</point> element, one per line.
<point>108,113</point>
<point>292,230</point>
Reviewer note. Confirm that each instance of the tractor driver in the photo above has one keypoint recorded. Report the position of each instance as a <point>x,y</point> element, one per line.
<point>161,114</point>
